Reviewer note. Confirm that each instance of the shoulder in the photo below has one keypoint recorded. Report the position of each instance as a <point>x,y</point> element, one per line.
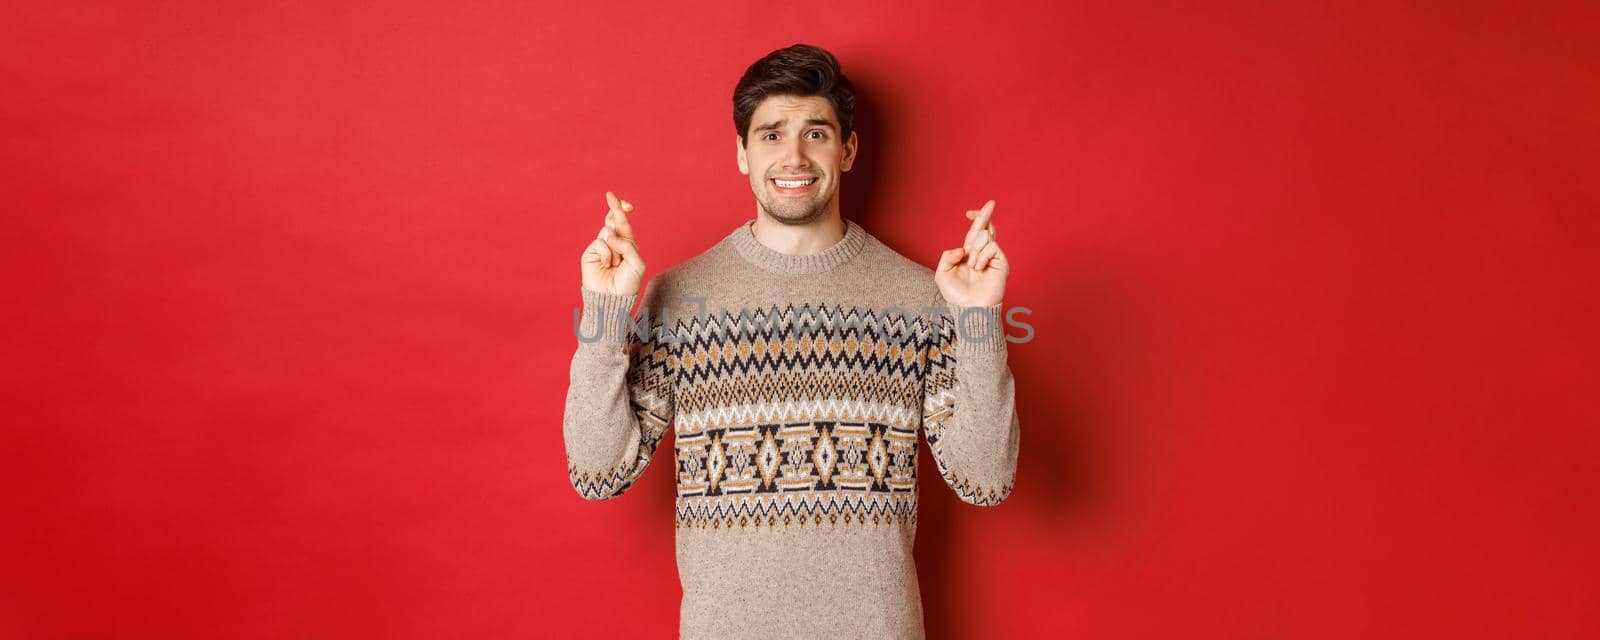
<point>689,278</point>
<point>706,264</point>
<point>905,274</point>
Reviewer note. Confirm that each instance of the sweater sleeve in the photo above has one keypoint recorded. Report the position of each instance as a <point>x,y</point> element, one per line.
<point>620,395</point>
<point>969,412</point>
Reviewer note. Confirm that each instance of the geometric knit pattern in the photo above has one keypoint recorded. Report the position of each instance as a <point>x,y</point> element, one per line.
<point>794,424</point>
<point>805,415</point>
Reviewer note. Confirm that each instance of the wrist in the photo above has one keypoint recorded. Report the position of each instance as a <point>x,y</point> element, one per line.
<point>978,328</point>
<point>605,317</point>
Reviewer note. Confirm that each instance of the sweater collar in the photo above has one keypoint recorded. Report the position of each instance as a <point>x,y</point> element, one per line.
<point>744,240</point>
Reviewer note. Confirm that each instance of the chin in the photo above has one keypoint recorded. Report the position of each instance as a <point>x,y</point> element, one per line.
<point>793,218</point>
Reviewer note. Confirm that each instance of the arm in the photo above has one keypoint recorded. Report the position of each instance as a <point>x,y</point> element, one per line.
<point>619,399</point>
<point>969,412</point>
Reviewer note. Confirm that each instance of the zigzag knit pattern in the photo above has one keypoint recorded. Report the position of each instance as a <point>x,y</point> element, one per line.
<point>795,422</point>
<point>801,415</point>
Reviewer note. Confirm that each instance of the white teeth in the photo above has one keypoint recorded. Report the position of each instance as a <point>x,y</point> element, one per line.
<point>794,184</point>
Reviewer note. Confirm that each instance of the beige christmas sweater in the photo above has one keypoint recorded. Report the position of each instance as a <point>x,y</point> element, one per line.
<point>794,388</point>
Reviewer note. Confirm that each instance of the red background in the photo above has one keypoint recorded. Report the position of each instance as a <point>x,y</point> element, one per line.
<point>288,295</point>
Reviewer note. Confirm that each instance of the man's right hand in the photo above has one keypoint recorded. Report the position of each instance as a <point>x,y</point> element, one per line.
<point>611,264</point>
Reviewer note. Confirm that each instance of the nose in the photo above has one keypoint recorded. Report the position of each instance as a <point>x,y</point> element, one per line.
<point>794,155</point>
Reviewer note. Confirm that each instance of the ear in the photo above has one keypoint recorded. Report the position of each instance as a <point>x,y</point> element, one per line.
<point>744,163</point>
<point>849,153</point>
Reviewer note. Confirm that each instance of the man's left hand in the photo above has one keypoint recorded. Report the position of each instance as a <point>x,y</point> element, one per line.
<point>974,274</point>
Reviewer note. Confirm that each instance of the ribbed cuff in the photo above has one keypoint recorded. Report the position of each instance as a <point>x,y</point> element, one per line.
<point>613,312</point>
<point>979,329</point>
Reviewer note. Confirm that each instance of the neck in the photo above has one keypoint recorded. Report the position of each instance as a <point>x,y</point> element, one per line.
<point>799,240</point>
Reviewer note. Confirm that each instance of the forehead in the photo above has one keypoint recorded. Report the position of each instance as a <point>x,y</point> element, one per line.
<point>795,109</point>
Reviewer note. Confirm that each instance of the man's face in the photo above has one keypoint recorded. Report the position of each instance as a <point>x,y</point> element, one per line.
<point>795,138</point>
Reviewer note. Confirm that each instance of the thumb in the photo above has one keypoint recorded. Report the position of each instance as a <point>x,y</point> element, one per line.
<point>949,259</point>
<point>623,246</point>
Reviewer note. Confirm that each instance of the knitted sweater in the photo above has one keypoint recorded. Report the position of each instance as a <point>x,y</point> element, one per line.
<point>794,387</point>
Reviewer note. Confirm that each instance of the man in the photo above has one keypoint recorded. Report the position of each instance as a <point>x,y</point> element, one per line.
<point>795,404</point>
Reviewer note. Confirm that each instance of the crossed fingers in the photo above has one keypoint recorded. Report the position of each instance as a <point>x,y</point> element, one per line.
<point>980,247</point>
<point>615,239</point>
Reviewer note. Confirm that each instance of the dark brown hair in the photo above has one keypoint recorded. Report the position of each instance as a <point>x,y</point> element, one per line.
<point>799,70</point>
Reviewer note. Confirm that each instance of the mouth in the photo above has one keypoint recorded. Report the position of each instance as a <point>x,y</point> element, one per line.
<point>797,185</point>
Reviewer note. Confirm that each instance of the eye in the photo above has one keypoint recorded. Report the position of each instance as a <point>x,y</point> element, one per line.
<point>768,136</point>
<point>819,132</point>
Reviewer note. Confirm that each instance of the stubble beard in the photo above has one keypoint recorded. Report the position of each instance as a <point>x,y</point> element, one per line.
<point>792,211</point>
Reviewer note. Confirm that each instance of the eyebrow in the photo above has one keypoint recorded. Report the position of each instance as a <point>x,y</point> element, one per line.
<point>778,123</point>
